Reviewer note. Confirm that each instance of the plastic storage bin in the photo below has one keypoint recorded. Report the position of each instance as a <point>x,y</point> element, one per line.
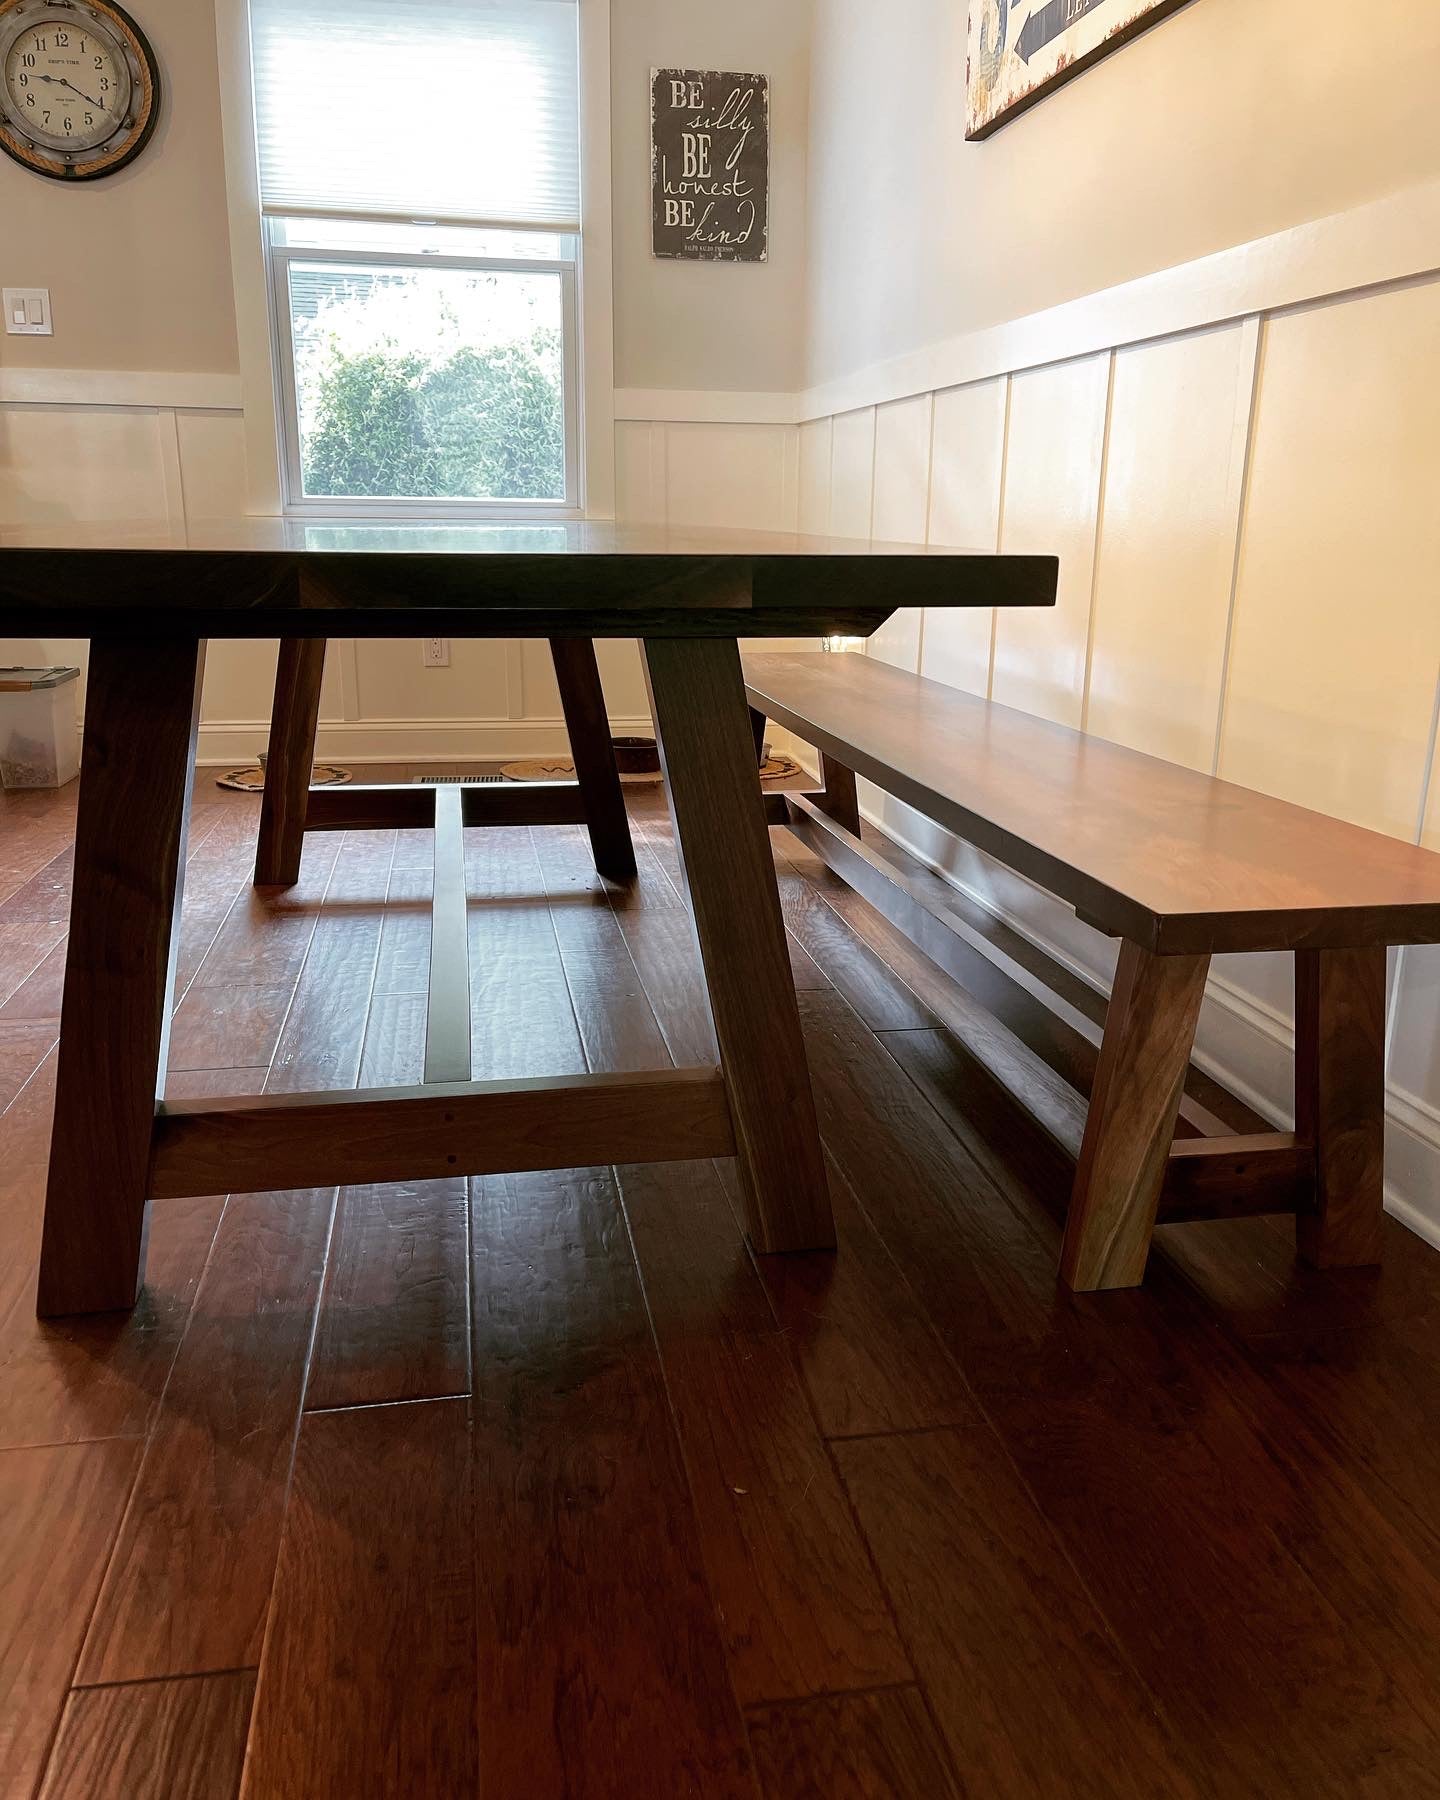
<point>39,739</point>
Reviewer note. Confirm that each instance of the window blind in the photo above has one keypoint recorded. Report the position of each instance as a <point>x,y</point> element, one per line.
<point>432,109</point>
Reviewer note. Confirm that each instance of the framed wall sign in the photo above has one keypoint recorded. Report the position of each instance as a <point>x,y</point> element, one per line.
<point>709,165</point>
<point>1020,49</point>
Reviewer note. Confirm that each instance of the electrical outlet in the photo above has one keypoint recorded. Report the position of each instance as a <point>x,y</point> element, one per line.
<point>435,653</point>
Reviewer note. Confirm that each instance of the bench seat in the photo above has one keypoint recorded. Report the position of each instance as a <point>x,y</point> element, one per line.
<point>1177,865</point>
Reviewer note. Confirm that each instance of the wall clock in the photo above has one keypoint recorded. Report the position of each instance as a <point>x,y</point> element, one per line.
<point>79,89</point>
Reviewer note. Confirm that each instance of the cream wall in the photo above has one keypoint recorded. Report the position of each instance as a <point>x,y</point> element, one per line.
<point>1229,121</point>
<point>138,265</point>
<point>709,326</point>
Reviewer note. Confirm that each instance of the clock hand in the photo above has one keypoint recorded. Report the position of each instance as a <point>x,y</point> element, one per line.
<point>83,95</point>
<point>60,81</point>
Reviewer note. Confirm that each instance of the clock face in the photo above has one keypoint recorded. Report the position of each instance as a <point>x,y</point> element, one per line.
<point>78,88</point>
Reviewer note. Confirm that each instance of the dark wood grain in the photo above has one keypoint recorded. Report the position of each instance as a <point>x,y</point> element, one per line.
<point>59,1508</point>
<point>368,1683</point>
<point>394,1314</point>
<point>1149,1031</point>
<point>1340,1101</point>
<point>588,580</point>
<point>188,1586</point>
<point>119,970</point>
<point>587,724</point>
<point>877,1746</point>
<point>153,1740</point>
<point>794,1587</point>
<point>362,807</point>
<point>1241,870</point>
<point>698,706</point>
<point>602,1672</point>
<point>1086,1726</point>
<point>294,718</point>
<point>838,794</point>
<point>426,1133</point>
<point>1237,1177</point>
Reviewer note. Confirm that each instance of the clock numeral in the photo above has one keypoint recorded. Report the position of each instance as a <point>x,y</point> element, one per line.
<point>68,127</point>
<point>28,60</point>
<point>99,62</point>
<point>46,115</point>
<point>62,40</point>
<point>42,43</point>
<point>89,118</point>
<point>24,81</point>
<point>29,99</point>
<point>104,84</point>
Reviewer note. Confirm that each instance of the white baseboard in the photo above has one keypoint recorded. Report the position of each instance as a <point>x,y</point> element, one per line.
<point>1243,1044</point>
<point>227,743</point>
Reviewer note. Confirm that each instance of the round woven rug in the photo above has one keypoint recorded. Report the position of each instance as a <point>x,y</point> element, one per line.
<point>560,768</point>
<point>252,780</point>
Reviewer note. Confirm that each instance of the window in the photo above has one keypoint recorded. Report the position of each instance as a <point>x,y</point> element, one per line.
<point>419,178</point>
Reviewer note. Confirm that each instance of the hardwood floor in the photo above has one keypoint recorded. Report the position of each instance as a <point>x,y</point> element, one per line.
<point>540,1485</point>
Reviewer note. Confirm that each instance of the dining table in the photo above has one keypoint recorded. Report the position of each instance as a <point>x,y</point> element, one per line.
<point>148,598</point>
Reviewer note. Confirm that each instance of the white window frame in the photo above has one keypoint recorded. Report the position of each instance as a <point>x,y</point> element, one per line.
<point>250,267</point>
<point>297,502</point>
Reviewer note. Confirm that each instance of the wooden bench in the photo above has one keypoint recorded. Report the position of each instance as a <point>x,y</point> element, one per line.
<point>1178,866</point>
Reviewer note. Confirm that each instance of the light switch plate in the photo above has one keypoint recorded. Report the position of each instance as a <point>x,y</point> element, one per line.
<point>27,312</point>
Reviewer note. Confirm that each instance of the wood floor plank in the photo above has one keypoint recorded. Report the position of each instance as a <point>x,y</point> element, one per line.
<point>801,1608</point>
<point>102,1375</point>
<point>153,1740</point>
<point>617,1025</point>
<point>23,947</point>
<point>22,1050</point>
<point>189,1583</point>
<point>602,1673</point>
<point>394,1313</point>
<point>1030,1690</point>
<point>876,1746</point>
<point>1207,1555</point>
<point>324,1031</point>
<point>368,1682</point>
<point>866,1351</point>
<point>59,1509</point>
<point>871,986</point>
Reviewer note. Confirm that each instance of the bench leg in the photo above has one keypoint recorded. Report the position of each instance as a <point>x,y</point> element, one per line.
<point>290,762</point>
<point>1149,1031</point>
<point>1340,1102</point>
<point>135,782</point>
<point>699,710</point>
<point>758,722</point>
<point>588,725</point>
<point>839,798</point>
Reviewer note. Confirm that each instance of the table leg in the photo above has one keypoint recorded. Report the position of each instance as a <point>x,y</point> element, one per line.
<point>708,753</point>
<point>136,777</point>
<point>291,759</point>
<point>588,726</point>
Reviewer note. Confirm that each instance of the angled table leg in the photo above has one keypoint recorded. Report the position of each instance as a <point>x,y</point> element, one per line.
<point>1149,1031</point>
<point>290,762</point>
<point>136,777</point>
<point>708,753</point>
<point>588,725</point>
<point>1340,1102</point>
